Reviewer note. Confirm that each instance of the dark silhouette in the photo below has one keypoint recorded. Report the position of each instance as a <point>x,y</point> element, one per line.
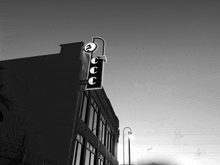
<point>4,100</point>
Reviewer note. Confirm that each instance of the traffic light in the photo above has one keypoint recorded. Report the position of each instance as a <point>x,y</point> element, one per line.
<point>95,71</point>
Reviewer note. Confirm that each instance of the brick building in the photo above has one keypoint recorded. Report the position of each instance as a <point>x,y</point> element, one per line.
<point>46,116</point>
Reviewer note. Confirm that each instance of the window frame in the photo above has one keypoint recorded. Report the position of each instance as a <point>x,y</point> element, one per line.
<point>107,162</point>
<point>83,111</point>
<point>108,138</point>
<point>79,141</point>
<point>90,150</point>
<point>93,117</point>
<point>102,130</point>
<point>112,144</point>
<point>101,159</point>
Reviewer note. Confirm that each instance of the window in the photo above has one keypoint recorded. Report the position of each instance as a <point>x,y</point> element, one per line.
<point>101,159</point>
<point>90,154</point>
<point>113,144</point>
<point>93,117</point>
<point>108,138</point>
<point>108,162</point>
<point>83,107</point>
<point>102,129</point>
<point>77,154</point>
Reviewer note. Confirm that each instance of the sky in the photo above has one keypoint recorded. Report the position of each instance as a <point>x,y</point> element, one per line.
<point>163,70</point>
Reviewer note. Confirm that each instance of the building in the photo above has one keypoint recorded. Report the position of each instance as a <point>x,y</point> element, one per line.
<point>47,117</point>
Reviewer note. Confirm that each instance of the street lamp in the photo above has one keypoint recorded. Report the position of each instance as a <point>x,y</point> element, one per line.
<point>129,136</point>
<point>129,152</point>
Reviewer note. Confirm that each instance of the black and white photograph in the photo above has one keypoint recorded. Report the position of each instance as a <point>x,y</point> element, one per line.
<point>110,82</point>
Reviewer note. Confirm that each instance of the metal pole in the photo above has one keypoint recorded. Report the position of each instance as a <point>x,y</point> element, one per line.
<point>129,152</point>
<point>123,149</point>
<point>124,145</point>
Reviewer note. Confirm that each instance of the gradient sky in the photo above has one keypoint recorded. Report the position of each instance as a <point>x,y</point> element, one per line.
<point>163,71</point>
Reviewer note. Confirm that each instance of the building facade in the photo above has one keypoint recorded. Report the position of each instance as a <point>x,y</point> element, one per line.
<point>47,116</point>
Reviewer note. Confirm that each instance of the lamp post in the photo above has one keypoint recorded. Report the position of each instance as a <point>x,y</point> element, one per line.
<point>130,132</point>
<point>129,152</point>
